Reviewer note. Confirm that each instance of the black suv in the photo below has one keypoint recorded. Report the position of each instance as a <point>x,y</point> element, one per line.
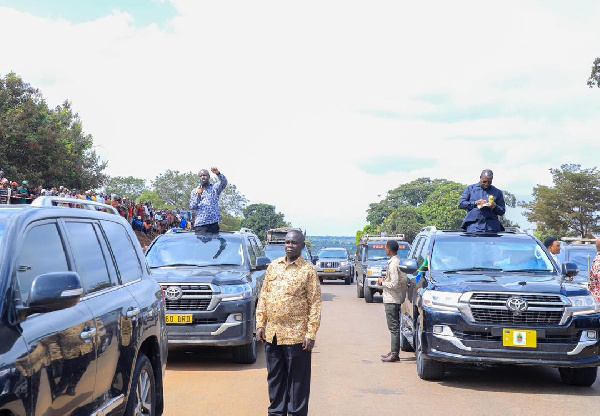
<point>82,324</point>
<point>496,299</point>
<point>211,284</point>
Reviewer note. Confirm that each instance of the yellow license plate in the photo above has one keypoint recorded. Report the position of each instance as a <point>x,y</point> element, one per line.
<point>524,338</point>
<point>179,319</point>
<point>329,270</point>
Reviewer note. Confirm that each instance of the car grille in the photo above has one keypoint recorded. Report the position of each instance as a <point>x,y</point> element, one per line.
<point>330,264</point>
<point>542,310</point>
<point>487,336</point>
<point>194,298</point>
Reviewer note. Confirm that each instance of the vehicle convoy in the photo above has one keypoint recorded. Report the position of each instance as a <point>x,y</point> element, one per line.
<point>82,323</point>
<point>335,263</point>
<point>496,299</point>
<point>581,252</point>
<point>371,263</point>
<point>275,244</point>
<point>211,284</point>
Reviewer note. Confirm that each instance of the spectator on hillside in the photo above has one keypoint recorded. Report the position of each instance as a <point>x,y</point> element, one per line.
<point>23,192</point>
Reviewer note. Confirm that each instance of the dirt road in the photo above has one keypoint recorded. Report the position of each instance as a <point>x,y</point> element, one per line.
<point>349,379</point>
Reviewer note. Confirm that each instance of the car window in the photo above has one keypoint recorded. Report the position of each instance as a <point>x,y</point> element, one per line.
<point>110,264</point>
<point>332,254</point>
<point>196,250</point>
<point>89,259</point>
<point>42,252</point>
<point>256,246</point>
<point>422,253</point>
<point>376,252</point>
<point>122,248</point>
<point>583,258</point>
<point>251,253</point>
<point>416,247</point>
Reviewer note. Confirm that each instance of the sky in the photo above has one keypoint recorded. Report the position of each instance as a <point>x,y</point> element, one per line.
<point>320,107</point>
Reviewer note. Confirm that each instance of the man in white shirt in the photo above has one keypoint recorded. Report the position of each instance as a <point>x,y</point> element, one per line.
<point>553,246</point>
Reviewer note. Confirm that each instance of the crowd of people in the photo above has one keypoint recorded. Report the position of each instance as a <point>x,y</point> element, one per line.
<point>141,215</point>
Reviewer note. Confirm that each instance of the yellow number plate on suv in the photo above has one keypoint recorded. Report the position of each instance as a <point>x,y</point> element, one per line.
<point>329,270</point>
<point>525,338</point>
<point>179,319</point>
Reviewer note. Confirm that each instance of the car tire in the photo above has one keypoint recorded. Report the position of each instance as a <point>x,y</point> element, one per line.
<point>427,369</point>
<point>348,279</point>
<point>404,344</point>
<point>245,354</point>
<point>368,295</point>
<point>584,377</point>
<point>142,396</point>
<point>359,291</point>
<point>321,279</point>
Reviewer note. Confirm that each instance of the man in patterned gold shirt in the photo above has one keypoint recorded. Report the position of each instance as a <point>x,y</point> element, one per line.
<point>288,316</point>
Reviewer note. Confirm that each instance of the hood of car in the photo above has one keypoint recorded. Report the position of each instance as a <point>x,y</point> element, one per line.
<point>214,275</point>
<point>500,282</point>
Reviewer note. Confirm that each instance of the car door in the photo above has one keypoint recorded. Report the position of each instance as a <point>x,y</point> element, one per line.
<point>111,305</point>
<point>411,294</point>
<point>60,366</point>
<point>258,276</point>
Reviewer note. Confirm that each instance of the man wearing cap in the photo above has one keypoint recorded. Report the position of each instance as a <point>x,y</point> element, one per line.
<point>483,203</point>
<point>204,201</point>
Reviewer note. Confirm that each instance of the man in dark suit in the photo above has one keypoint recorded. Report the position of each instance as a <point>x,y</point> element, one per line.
<point>483,203</point>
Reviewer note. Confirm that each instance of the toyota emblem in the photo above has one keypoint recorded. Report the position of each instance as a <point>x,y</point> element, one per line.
<point>173,293</point>
<point>516,305</point>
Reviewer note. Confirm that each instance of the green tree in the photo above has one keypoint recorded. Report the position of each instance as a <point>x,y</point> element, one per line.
<point>154,198</point>
<point>441,208</point>
<point>126,186</point>
<point>368,229</point>
<point>594,79</point>
<point>175,187</point>
<point>262,217</point>
<point>407,220</point>
<point>568,208</point>
<point>46,146</point>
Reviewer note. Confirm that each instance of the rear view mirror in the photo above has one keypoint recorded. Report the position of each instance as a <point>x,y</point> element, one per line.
<point>262,263</point>
<point>53,292</point>
<point>408,266</point>
<point>570,269</point>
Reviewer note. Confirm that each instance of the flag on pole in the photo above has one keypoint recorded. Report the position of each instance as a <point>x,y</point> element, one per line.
<point>421,271</point>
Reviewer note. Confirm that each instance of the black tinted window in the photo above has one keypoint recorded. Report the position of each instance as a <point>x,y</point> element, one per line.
<point>89,258</point>
<point>196,250</point>
<point>42,252</point>
<point>251,253</point>
<point>123,250</point>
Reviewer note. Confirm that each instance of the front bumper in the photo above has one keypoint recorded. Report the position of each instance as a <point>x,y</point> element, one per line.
<point>465,342</point>
<point>337,273</point>
<point>371,283</point>
<point>231,323</point>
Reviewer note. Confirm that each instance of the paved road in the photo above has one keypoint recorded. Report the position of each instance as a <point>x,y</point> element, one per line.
<point>349,379</point>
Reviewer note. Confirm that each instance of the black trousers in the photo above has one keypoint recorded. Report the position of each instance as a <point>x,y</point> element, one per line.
<point>288,374</point>
<point>207,228</point>
<point>392,314</point>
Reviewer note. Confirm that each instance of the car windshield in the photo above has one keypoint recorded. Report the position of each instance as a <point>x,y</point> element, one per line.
<point>198,251</point>
<point>376,253</point>
<point>2,228</point>
<point>583,258</point>
<point>275,251</point>
<point>489,253</point>
<point>332,254</point>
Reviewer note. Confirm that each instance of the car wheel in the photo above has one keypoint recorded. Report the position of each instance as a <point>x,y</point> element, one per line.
<point>427,369</point>
<point>245,354</point>
<point>359,292</point>
<point>368,294</point>
<point>142,396</point>
<point>579,376</point>
<point>404,344</point>
<point>348,279</point>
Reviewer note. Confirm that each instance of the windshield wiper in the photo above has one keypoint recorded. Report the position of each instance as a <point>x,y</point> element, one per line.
<point>528,271</point>
<point>176,265</point>
<point>474,269</point>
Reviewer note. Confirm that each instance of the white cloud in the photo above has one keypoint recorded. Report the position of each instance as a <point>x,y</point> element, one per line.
<point>281,96</point>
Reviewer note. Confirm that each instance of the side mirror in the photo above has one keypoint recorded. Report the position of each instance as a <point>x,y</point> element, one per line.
<point>408,266</point>
<point>262,263</point>
<point>315,259</point>
<point>53,292</point>
<point>570,269</point>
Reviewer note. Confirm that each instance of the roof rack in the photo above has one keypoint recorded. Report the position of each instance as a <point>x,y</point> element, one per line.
<point>378,237</point>
<point>579,240</point>
<point>48,201</point>
<point>430,229</point>
<point>246,230</point>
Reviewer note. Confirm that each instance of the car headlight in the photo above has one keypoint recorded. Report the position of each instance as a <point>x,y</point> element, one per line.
<point>447,301</point>
<point>235,292</point>
<point>344,263</point>
<point>583,305</point>
<point>374,271</point>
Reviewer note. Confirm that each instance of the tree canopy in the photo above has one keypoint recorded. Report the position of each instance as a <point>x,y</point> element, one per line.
<point>126,186</point>
<point>262,217</point>
<point>594,79</point>
<point>568,208</point>
<point>43,145</point>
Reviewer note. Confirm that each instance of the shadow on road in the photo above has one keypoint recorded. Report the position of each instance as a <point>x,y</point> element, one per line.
<point>212,359</point>
<point>513,379</point>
